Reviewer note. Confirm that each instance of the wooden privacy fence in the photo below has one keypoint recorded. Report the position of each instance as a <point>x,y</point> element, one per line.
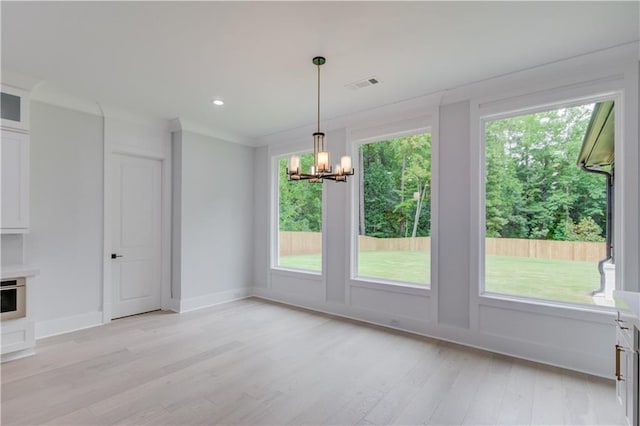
<point>294,243</point>
<point>546,249</point>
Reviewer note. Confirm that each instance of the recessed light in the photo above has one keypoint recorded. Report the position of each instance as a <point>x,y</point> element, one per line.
<point>218,102</point>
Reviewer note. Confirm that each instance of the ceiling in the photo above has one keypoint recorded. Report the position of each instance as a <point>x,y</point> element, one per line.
<point>169,59</point>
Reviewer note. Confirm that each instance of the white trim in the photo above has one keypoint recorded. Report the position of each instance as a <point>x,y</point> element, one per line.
<point>52,95</point>
<point>609,86</point>
<point>291,272</point>
<point>20,81</point>
<point>164,156</point>
<point>586,67</point>
<point>12,356</point>
<point>435,216</point>
<point>370,118</point>
<point>166,291</point>
<point>47,94</point>
<point>64,325</point>
<point>391,286</point>
<point>172,305</point>
<point>212,299</point>
<point>274,221</point>
<point>180,124</point>
<point>419,124</point>
<point>585,313</point>
<point>106,224</point>
<point>563,70</point>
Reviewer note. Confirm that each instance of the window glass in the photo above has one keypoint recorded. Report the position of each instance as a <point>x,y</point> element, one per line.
<point>545,216</point>
<point>394,210</point>
<point>10,106</point>
<point>299,220</point>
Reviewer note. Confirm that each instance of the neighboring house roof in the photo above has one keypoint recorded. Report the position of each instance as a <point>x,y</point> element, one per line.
<point>598,144</point>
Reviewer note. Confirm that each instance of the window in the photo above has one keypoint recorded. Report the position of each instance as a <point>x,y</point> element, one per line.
<point>299,220</point>
<point>545,217</point>
<point>394,210</point>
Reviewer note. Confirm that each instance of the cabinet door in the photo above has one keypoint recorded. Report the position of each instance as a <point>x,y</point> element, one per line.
<point>15,181</point>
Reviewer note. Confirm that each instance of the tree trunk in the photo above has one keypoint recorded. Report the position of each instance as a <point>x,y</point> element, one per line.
<point>418,209</point>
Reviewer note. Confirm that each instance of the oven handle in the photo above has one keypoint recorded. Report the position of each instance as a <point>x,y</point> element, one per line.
<point>619,350</point>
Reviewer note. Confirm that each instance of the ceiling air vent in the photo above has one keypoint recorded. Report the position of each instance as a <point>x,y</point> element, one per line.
<point>361,84</point>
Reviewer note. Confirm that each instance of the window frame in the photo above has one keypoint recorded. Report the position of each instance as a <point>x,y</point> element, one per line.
<point>379,135</point>
<point>518,106</point>
<point>275,217</point>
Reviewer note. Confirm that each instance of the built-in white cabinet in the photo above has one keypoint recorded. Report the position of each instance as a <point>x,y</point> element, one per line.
<point>17,325</point>
<point>14,149</point>
<point>627,348</point>
<point>626,382</point>
<point>14,160</point>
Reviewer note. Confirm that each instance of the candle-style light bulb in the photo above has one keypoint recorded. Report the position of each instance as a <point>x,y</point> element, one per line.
<point>345,163</point>
<point>323,161</point>
<point>294,165</point>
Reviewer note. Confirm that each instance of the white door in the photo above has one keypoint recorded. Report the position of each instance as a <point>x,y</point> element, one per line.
<point>136,239</point>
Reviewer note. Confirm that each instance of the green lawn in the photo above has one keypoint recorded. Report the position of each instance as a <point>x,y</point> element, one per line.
<point>522,276</point>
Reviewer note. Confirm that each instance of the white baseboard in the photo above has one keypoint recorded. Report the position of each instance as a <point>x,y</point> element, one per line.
<point>67,324</point>
<point>211,299</point>
<point>12,356</point>
<point>555,356</point>
<point>172,305</point>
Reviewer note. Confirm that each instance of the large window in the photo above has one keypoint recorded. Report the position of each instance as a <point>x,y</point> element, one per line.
<point>545,217</point>
<point>394,210</point>
<point>299,220</point>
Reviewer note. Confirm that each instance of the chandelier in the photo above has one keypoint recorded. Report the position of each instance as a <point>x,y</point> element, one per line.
<point>321,168</point>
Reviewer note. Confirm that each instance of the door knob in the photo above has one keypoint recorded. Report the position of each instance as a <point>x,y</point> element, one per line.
<point>113,255</point>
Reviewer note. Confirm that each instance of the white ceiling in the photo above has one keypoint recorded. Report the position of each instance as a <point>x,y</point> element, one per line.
<point>168,59</point>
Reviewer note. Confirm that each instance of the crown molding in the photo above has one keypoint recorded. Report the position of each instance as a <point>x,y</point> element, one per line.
<point>584,67</point>
<point>48,94</point>
<point>53,95</point>
<point>19,81</point>
<point>116,113</point>
<point>373,117</point>
<point>180,124</point>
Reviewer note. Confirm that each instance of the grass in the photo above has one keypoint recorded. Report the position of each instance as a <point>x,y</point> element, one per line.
<point>519,276</point>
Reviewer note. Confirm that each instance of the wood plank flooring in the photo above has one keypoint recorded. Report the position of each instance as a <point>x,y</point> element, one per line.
<point>253,362</point>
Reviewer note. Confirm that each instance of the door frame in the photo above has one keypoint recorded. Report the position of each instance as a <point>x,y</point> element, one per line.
<point>164,156</point>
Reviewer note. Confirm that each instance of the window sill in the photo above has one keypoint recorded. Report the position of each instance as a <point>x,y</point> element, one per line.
<point>595,313</point>
<point>313,275</point>
<point>390,286</point>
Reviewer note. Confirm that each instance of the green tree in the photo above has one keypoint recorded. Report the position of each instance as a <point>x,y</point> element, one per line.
<point>300,203</point>
<point>533,187</point>
<point>392,171</point>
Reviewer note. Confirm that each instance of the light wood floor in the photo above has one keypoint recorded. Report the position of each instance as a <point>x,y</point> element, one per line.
<point>254,362</point>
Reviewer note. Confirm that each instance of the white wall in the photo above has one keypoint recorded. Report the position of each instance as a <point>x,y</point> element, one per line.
<point>454,240</point>
<point>65,238</point>
<point>11,249</point>
<point>572,337</point>
<point>261,202</point>
<point>214,182</point>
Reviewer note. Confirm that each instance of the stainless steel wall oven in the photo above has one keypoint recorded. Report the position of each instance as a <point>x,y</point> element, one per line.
<point>13,298</point>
